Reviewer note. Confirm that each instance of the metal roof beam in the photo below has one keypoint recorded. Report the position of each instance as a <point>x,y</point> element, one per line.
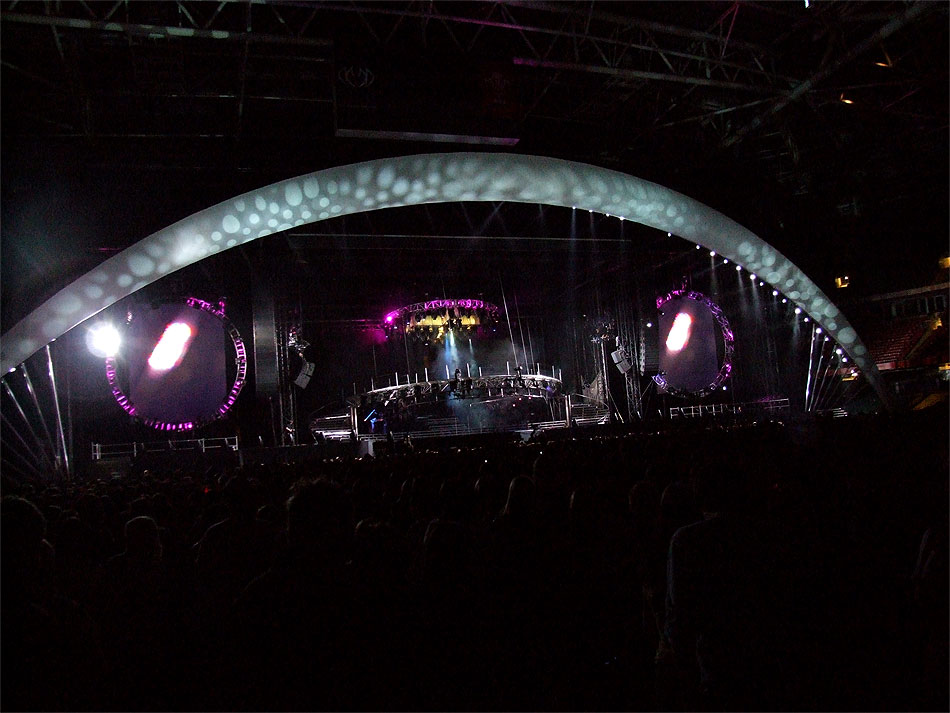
<point>637,74</point>
<point>914,12</point>
<point>158,31</point>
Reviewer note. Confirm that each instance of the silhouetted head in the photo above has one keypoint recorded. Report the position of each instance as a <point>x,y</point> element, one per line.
<point>320,517</point>
<point>643,501</point>
<point>446,551</point>
<point>676,505</point>
<point>269,514</point>
<point>239,496</point>
<point>719,489</point>
<point>581,507</point>
<point>377,552</point>
<point>141,539</point>
<point>521,497</point>
<point>22,529</point>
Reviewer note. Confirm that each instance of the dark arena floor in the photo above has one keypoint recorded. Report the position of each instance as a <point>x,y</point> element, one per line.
<point>808,561</point>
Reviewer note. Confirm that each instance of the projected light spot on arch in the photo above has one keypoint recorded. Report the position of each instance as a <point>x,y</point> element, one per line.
<point>415,180</point>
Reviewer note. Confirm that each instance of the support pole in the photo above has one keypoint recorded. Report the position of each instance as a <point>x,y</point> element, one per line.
<point>40,447</point>
<point>9,450</point>
<point>23,441</point>
<point>59,415</point>
<point>811,356</point>
<point>39,411</point>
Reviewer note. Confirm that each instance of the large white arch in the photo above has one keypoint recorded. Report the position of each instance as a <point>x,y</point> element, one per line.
<point>412,180</point>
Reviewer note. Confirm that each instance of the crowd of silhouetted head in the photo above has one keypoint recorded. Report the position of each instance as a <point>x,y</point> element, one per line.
<point>760,567</point>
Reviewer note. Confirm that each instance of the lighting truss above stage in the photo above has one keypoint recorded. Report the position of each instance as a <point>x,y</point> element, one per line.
<point>431,321</point>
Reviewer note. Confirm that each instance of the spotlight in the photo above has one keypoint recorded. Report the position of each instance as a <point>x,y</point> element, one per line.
<point>670,235</point>
<point>752,277</point>
<point>725,388</point>
<point>761,284</point>
<point>103,340</point>
<point>806,319</point>
<point>738,268</point>
<point>826,339</point>
<point>818,331</point>
<point>725,261</point>
<point>649,324</point>
<point>712,253</point>
<point>798,310</point>
<point>839,351</point>
<point>774,293</point>
<point>785,300</point>
<point>697,247</point>
<point>844,359</point>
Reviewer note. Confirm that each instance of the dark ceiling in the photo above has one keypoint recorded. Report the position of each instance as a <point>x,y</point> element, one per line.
<point>822,128</point>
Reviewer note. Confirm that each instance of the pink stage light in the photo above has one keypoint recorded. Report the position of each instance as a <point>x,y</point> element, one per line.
<point>679,332</point>
<point>171,348</point>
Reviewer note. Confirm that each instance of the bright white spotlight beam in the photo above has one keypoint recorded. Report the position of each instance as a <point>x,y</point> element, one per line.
<point>103,340</point>
<point>679,332</point>
<point>171,348</point>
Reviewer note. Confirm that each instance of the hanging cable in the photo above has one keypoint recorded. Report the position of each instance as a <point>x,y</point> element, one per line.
<point>40,447</point>
<point>816,382</point>
<point>26,445</point>
<point>511,335</point>
<point>811,357</point>
<point>830,368</point>
<point>524,351</point>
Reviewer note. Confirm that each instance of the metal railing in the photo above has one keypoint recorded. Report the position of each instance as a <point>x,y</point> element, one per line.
<point>767,407</point>
<point>115,451</point>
